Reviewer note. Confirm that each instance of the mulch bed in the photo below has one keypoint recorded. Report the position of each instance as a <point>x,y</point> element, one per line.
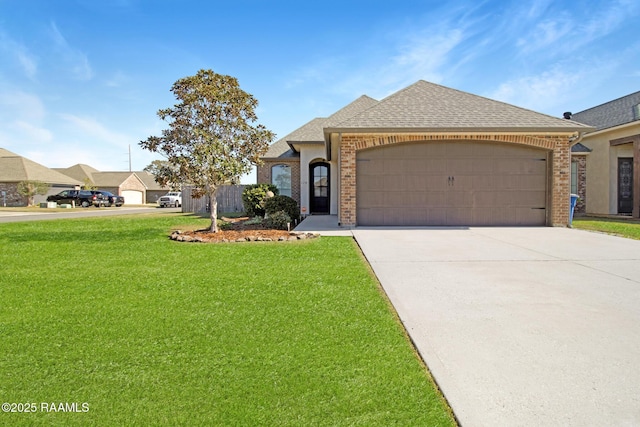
<point>237,230</point>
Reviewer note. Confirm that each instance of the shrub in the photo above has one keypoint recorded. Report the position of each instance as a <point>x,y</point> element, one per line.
<point>282,203</point>
<point>278,220</point>
<point>253,197</point>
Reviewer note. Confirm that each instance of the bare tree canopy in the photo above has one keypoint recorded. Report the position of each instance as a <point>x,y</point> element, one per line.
<point>212,138</point>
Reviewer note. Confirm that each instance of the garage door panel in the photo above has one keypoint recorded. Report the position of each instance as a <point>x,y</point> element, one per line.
<point>366,167</point>
<point>483,182</point>
<point>532,182</point>
<point>459,166</point>
<point>371,198</point>
<point>484,199</point>
<point>452,183</point>
<point>457,199</point>
<point>527,216</point>
<point>436,199</point>
<point>370,182</point>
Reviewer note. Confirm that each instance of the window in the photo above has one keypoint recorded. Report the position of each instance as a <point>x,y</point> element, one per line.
<point>281,178</point>
<point>574,177</point>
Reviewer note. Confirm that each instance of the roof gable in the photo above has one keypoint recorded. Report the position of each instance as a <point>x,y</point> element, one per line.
<point>149,181</point>
<point>112,179</point>
<point>79,172</point>
<point>427,106</point>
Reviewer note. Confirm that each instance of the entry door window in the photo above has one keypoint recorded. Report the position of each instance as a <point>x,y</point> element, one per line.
<point>625,185</point>
<point>319,188</point>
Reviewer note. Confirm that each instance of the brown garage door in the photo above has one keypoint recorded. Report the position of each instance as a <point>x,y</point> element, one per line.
<point>451,183</point>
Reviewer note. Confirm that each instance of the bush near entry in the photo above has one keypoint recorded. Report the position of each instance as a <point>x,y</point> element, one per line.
<point>253,198</point>
<point>282,203</point>
<point>278,220</point>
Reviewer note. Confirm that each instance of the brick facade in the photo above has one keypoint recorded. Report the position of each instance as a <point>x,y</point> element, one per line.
<point>264,174</point>
<point>559,176</point>
<point>581,161</point>
<point>12,197</point>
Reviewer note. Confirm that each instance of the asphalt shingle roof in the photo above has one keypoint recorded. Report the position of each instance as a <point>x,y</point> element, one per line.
<point>427,106</point>
<point>613,113</point>
<point>79,172</point>
<point>15,168</point>
<point>313,130</point>
<point>579,148</point>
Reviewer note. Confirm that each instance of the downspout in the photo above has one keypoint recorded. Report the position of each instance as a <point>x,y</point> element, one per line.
<point>576,139</point>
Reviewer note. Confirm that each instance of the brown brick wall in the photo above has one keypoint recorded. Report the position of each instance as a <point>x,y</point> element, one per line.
<point>560,175</point>
<point>581,206</point>
<point>560,184</point>
<point>12,198</point>
<point>264,175</point>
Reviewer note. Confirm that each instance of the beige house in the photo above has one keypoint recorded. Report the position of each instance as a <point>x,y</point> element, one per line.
<point>15,169</point>
<point>613,165</point>
<point>429,155</point>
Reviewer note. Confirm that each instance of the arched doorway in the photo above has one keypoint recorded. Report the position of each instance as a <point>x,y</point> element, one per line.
<point>320,188</point>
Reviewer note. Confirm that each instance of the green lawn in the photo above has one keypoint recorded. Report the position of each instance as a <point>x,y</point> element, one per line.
<point>148,331</point>
<point>619,227</point>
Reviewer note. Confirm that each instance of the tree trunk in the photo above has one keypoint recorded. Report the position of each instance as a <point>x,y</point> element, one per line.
<point>213,209</point>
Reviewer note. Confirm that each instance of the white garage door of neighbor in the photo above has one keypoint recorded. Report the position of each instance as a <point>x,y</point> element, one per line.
<point>454,183</point>
<point>132,197</point>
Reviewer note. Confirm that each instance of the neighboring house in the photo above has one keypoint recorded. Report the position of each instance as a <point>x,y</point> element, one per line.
<point>613,166</point>
<point>15,169</point>
<point>154,190</point>
<point>126,184</point>
<point>429,155</point>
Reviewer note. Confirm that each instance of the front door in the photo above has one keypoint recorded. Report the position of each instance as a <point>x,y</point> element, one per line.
<point>625,185</point>
<point>319,173</point>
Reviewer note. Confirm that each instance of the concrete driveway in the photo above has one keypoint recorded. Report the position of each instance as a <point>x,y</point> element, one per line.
<point>519,326</point>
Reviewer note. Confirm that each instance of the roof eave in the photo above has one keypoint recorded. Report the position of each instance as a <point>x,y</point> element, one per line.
<point>613,128</point>
<point>295,145</point>
<point>467,131</point>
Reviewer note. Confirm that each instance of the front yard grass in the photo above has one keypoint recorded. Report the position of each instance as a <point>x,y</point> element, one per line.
<point>619,227</point>
<point>148,331</point>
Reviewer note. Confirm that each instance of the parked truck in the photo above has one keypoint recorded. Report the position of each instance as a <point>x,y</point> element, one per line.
<point>171,199</point>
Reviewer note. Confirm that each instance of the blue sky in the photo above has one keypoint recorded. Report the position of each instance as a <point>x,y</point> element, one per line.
<point>82,80</point>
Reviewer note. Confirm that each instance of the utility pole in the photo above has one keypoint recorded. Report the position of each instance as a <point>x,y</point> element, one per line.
<point>129,157</point>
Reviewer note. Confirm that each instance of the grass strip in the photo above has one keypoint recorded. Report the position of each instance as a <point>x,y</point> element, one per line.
<point>619,227</point>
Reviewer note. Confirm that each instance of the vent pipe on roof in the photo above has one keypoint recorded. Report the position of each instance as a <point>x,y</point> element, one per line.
<point>567,115</point>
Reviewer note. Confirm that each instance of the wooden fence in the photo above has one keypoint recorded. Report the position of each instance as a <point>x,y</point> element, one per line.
<point>229,199</point>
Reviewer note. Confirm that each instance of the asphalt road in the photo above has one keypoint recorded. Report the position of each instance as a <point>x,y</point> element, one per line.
<point>42,214</point>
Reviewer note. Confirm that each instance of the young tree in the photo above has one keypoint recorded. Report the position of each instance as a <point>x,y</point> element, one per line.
<point>212,138</point>
<point>87,184</point>
<point>30,189</point>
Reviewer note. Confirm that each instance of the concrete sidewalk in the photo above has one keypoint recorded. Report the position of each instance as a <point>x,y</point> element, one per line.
<point>519,326</point>
<point>326,225</point>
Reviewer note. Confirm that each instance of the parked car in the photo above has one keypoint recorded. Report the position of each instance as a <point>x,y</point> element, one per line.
<point>84,198</point>
<point>172,198</point>
<point>113,200</point>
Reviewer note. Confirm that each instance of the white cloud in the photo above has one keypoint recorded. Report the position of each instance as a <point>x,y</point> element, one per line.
<point>18,105</point>
<point>559,88</point>
<point>33,133</point>
<point>75,60</point>
<point>425,55</point>
<point>92,131</point>
<point>117,80</point>
<point>546,33</point>
<point>21,55</point>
